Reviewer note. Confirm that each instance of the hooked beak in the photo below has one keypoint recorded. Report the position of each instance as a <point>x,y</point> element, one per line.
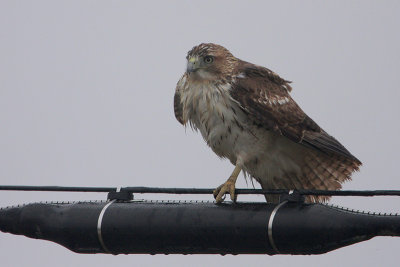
<point>192,65</point>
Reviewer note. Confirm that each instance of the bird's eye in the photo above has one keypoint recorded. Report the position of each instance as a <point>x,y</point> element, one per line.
<point>208,59</point>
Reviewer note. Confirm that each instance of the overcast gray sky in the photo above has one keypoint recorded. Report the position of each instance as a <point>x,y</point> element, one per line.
<point>86,92</point>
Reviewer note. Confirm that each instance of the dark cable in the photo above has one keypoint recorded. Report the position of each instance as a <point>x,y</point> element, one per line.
<point>57,188</point>
<point>143,190</point>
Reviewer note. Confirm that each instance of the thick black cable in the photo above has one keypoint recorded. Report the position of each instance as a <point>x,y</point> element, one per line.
<point>194,191</point>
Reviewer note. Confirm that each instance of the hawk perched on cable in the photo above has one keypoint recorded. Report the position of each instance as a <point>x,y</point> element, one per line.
<point>245,113</point>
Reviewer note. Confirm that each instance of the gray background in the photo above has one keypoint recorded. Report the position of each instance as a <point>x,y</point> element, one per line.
<point>86,92</point>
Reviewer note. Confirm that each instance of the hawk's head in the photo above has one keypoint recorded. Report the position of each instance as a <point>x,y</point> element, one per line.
<point>209,61</point>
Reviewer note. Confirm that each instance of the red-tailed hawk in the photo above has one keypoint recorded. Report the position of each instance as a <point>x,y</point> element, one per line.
<point>245,113</point>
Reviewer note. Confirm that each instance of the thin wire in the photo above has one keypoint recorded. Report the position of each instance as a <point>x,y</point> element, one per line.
<point>57,188</point>
<point>195,191</point>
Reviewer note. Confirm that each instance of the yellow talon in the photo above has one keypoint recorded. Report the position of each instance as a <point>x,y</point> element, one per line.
<point>227,187</point>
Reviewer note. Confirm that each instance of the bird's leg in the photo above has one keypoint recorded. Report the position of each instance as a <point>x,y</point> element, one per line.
<point>228,186</point>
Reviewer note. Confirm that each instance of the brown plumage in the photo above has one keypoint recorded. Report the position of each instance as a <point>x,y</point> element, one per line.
<point>246,114</point>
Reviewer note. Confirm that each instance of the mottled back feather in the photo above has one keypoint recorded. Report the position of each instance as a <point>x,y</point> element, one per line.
<point>264,96</point>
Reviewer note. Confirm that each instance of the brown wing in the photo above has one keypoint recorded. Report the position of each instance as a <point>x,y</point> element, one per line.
<point>264,96</point>
<point>178,109</point>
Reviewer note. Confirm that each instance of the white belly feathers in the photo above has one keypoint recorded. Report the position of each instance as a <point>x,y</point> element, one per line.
<point>228,131</point>
<point>221,122</point>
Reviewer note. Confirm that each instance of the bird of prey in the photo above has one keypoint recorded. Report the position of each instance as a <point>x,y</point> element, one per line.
<point>245,113</point>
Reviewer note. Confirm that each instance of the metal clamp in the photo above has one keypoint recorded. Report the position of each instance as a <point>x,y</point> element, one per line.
<point>120,195</point>
<point>270,223</point>
<point>292,196</point>
<point>99,222</point>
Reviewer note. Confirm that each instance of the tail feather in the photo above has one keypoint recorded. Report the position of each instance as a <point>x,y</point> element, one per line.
<point>319,171</point>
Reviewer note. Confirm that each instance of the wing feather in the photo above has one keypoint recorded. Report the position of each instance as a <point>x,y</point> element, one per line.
<point>264,96</point>
<point>178,109</point>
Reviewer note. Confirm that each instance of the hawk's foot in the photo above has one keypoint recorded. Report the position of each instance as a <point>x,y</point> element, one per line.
<point>227,187</point>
